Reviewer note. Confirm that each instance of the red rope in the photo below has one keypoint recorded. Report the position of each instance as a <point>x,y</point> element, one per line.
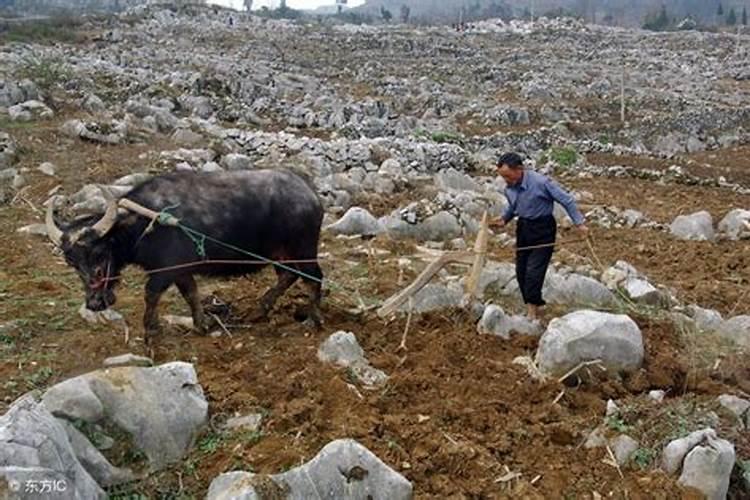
<point>216,261</point>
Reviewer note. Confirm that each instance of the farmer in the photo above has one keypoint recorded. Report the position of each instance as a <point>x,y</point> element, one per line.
<point>531,197</point>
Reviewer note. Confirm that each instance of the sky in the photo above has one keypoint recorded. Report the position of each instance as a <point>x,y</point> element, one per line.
<point>294,4</point>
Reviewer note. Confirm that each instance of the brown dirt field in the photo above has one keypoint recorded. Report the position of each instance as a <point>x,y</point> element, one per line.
<point>455,411</point>
<point>732,163</point>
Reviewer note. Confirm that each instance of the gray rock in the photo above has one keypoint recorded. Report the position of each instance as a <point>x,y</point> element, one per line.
<point>236,161</point>
<point>736,224</point>
<point>127,360</point>
<point>211,166</point>
<point>107,133</point>
<point>35,447</point>
<point>669,145</point>
<point>695,145</point>
<point>442,226</point>
<point>184,167</point>
<point>93,104</point>
<point>587,335</point>
<point>47,168</point>
<point>434,297</point>
<point>643,292</point>
<point>612,408</point>
<point>356,221</point>
<point>250,423</point>
<point>697,227</point>
<point>736,405</point>
<point>675,452</point>
<point>706,320</point>
<point>391,168</point>
<point>633,217</point>
<point>162,408</point>
<point>495,322</point>
<point>708,468</point>
<point>367,375</point>
<point>736,329</point>
<point>30,110</point>
<point>452,179</point>
<point>575,289</point>
<point>18,182</point>
<point>341,348</point>
<point>343,469</point>
<point>33,229</point>
<point>131,179</point>
<point>186,137</point>
<point>615,276</point>
<point>623,447</point>
<point>103,472</point>
<point>657,395</point>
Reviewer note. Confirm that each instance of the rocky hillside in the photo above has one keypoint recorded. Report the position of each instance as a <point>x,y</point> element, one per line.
<point>633,384</point>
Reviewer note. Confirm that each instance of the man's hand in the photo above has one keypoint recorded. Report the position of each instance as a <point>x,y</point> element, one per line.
<point>497,223</point>
<point>583,230</point>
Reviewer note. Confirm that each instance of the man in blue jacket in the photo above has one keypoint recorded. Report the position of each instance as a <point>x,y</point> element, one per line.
<point>531,197</point>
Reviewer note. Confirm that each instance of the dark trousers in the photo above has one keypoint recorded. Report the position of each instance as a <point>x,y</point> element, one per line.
<point>531,265</point>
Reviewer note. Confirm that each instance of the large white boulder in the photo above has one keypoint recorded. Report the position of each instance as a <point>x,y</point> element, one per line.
<point>588,335</point>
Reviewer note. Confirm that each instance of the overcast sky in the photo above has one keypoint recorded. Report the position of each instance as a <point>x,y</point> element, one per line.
<point>294,4</point>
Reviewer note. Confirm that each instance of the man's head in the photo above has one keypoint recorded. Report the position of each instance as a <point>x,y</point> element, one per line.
<point>510,168</point>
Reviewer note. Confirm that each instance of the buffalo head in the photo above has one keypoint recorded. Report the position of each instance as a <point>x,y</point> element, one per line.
<point>89,249</point>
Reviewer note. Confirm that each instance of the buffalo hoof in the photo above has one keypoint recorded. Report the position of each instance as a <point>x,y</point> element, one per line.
<point>202,327</point>
<point>312,318</point>
<point>151,332</point>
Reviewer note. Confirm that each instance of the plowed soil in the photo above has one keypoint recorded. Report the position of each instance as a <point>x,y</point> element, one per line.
<point>456,415</point>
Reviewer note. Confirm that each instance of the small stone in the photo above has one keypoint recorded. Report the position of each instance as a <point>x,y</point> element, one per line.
<point>623,447</point>
<point>127,360</point>
<point>47,168</point>
<point>249,423</point>
<point>236,161</point>
<point>612,408</point>
<point>657,395</point>
<point>496,322</point>
<point>736,405</point>
<point>186,137</point>
<point>33,229</point>
<point>341,348</point>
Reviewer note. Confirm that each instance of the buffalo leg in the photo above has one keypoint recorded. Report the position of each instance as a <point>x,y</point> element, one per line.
<point>154,289</point>
<point>314,290</point>
<point>284,279</point>
<point>189,290</point>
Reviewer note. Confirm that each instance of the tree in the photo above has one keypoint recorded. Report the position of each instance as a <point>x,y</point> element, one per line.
<point>248,5</point>
<point>385,14</point>
<point>744,16</point>
<point>720,11</point>
<point>405,12</point>
<point>731,17</point>
<point>658,22</point>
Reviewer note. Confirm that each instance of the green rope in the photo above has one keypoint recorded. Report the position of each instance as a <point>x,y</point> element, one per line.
<point>197,234</point>
<point>199,241</point>
<point>166,218</point>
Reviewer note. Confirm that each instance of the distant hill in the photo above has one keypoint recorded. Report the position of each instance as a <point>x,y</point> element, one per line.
<point>619,12</point>
<point>51,7</point>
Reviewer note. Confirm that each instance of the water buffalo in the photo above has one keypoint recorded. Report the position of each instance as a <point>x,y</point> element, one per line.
<point>275,214</point>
